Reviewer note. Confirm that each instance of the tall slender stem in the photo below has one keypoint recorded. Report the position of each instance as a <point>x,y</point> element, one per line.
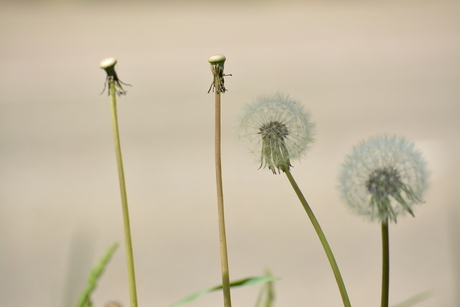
<point>124,198</point>
<point>322,238</point>
<point>220,203</point>
<point>385,264</point>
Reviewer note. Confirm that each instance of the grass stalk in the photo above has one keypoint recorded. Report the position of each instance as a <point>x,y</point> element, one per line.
<point>124,198</point>
<point>322,238</point>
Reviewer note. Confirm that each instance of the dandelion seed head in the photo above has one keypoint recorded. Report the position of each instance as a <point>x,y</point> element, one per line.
<point>383,178</point>
<point>276,129</point>
<point>383,182</point>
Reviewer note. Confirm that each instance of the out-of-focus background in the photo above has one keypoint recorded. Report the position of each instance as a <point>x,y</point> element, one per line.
<point>361,68</point>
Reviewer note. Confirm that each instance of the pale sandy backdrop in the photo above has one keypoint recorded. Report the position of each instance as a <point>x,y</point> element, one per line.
<point>360,67</point>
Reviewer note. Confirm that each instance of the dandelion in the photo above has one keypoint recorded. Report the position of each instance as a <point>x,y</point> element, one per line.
<point>115,88</point>
<point>217,62</point>
<point>383,178</point>
<point>277,130</point>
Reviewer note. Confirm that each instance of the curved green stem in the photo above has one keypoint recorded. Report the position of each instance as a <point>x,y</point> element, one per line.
<point>322,238</point>
<point>124,198</point>
<point>385,264</point>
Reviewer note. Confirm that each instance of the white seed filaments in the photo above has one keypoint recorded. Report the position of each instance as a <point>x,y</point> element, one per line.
<point>275,155</point>
<point>383,178</point>
<point>109,66</point>
<point>277,130</point>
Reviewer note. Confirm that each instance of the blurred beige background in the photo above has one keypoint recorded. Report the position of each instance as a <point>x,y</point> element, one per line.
<point>360,67</point>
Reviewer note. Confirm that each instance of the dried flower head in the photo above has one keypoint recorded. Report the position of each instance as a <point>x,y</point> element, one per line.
<point>109,66</point>
<point>217,62</point>
<point>384,177</point>
<point>277,130</point>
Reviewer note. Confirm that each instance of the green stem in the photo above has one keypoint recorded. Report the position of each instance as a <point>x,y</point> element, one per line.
<point>124,198</point>
<point>385,264</point>
<point>220,203</point>
<point>322,238</point>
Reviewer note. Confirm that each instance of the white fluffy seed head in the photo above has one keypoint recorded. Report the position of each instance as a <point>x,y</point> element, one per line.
<point>384,177</point>
<point>276,129</point>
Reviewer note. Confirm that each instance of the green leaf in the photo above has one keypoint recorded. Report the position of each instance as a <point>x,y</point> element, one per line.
<point>237,283</point>
<point>85,299</point>
<point>266,292</point>
<point>416,299</point>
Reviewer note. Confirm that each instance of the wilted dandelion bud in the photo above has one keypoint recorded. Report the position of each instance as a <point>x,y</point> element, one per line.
<point>384,177</point>
<point>277,130</point>
<point>109,66</point>
<point>217,62</point>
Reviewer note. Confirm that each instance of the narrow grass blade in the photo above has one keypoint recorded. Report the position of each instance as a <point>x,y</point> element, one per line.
<point>85,299</point>
<point>416,299</point>
<point>241,282</point>
<point>267,292</point>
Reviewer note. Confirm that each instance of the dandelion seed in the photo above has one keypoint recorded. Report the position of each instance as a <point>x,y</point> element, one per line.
<point>277,130</point>
<point>384,177</point>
